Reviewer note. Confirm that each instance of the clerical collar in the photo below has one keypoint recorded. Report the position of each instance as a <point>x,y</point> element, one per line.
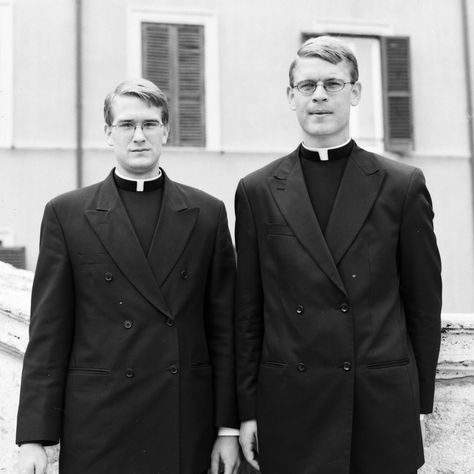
<point>327,154</point>
<point>138,185</point>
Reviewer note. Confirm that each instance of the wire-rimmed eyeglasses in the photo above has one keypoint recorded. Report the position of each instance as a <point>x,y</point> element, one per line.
<point>307,87</point>
<point>149,127</point>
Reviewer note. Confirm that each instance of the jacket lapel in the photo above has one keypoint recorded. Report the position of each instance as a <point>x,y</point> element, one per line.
<point>357,193</point>
<point>175,225</point>
<point>289,191</point>
<point>113,227</point>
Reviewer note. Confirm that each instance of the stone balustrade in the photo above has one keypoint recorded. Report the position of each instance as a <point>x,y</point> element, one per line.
<point>449,442</point>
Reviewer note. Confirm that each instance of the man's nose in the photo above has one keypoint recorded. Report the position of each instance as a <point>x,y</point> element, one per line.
<point>319,93</point>
<point>138,135</point>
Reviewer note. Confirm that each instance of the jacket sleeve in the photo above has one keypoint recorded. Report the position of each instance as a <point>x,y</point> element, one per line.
<point>249,305</point>
<point>220,324</point>
<point>420,284</point>
<point>51,327</point>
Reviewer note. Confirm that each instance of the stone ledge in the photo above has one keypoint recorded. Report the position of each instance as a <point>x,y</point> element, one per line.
<point>14,334</point>
<point>16,288</point>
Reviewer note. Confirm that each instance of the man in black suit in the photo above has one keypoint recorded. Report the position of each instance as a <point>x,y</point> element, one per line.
<point>338,292</point>
<point>130,362</point>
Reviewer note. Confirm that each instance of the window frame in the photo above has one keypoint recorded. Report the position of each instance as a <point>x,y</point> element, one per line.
<point>137,16</point>
<point>380,32</point>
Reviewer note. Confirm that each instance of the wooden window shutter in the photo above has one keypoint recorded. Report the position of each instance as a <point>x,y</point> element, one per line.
<point>397,97</point>
<point>173,58</point>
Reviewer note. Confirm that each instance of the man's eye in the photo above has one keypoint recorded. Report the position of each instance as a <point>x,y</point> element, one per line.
<point>307,86</point>
<point>126,125</point>
<point>333,84</point>
<point>150,125</point>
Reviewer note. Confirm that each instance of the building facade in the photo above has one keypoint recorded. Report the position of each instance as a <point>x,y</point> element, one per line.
<point>224,66</point>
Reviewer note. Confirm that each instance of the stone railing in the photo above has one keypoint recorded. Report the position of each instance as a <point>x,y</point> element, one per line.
<point>449,443</point>
<point>449,430</point>
<point>15,290</point>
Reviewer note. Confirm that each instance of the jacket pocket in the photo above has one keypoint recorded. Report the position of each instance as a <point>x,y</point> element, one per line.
<point>93,258</point>
<point>273,364</point>
<point>200,365</point>
<point>279,229</point>
<point>389,363</point>
<point>88,371</point>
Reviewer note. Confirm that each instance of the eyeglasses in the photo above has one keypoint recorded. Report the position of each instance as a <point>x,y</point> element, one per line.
<point>330,86</point>
<point>149,128</point>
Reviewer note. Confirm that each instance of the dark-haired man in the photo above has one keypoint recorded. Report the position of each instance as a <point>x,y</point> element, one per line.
<point>338,292</point>
<point>130,361</point>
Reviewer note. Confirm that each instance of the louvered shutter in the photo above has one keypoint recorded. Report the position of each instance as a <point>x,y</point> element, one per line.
<point>173,58</point>
<point>397,98</point>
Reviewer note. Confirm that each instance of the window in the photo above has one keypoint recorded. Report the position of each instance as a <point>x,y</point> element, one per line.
<point>173,58</point>
<point>6,73</point>
<point>398,118</point>
<point>178,51</point>
<point>383,119</point>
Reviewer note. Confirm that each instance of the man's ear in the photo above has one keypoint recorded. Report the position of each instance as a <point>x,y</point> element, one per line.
<point>356,93</point>
<point>166,132</point>
<point>108,134</point>
<point>290,95</point>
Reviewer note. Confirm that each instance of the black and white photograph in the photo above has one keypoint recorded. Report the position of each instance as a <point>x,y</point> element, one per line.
<point>236,237</point>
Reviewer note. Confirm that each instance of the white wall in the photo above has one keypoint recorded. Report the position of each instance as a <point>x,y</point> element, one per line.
<point>257,41</point>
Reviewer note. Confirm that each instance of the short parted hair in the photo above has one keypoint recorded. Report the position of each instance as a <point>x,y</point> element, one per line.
<point>328,48</point>
<point>142,89</point>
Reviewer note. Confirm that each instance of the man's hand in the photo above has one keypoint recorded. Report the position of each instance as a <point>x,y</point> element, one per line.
<point>225,451</point>
<point>33,459</point>
<point>249,442</point>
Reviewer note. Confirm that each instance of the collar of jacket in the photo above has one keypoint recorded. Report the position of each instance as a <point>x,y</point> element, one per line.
<point>359,188</point>
<point>109,220</point>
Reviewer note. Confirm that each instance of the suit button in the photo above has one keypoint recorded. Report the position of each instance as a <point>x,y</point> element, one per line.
<point>344,308</point>
<point>108,276</point>
<point>301,367</point>
<point>129,373</point>
<point>173,369</point>
<point>184,274</point>
<point>299,309</point>
<point>347,366</point>
<point>127,324</point>
<point>169,322</point>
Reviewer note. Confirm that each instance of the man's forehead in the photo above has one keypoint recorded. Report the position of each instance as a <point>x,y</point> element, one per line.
<point>128,104</point>
<point>313,66</point>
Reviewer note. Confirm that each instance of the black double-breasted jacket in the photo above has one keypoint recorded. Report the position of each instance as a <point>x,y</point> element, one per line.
<point>337,335</point>
<point>130,362</point>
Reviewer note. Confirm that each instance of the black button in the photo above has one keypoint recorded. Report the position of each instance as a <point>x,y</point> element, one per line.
<point>184,274</point>
<point>347,366</point>
<point>169,322</point>
<point>173,369</point>
<point>301,367</point>
<point>127,324</point>
<point>299,309</point>
<point>108,276</point>
<point>129,373</point>
<point>344,308</point>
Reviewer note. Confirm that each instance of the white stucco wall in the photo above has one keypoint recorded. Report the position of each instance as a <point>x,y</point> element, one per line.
<point>256,42</point>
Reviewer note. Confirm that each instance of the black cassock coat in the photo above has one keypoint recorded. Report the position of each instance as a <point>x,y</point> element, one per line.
<point>130,360</point>
<point>337,334</point>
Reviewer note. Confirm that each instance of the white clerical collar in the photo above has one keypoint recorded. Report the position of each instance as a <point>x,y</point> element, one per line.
<point>323,152</point>
<point>140,182</point>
